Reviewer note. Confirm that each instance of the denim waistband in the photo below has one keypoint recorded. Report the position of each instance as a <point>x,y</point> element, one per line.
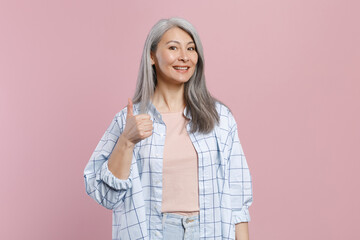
<point>182,220</point>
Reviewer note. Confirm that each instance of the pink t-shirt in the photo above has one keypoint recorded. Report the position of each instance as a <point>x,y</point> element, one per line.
<point>180,192</point>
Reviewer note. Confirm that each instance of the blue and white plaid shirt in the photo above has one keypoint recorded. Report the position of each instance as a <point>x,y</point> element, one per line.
<point>225,190</point>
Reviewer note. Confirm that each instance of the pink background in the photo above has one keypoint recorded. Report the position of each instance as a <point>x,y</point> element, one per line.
<point>289,70</point>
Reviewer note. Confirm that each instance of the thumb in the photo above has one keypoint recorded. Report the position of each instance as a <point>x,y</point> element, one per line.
<point>130,111</point>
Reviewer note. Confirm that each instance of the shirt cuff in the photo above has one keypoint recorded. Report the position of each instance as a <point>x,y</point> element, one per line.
<point>241,216</point>
<point>112,181</point>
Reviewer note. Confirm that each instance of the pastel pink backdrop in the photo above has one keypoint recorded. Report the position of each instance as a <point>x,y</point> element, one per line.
<point>289,70</point>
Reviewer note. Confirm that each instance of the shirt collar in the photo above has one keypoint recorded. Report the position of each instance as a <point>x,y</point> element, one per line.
<point>155,114</point>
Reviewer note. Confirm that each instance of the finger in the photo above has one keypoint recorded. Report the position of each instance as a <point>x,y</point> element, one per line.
<point>143,116</point>
<point>143,127</point>
<point>150,131</point>
<point>147,124</point>
<point>146,128</point>
<point>130,111</point>
<point>142,123</point>
<point>147,134</point>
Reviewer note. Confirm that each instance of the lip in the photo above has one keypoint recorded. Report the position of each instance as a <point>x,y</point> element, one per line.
<point>181,70</point>
<point>181,65</point>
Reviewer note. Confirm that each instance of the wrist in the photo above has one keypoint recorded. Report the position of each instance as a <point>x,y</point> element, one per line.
<point>125,142</point>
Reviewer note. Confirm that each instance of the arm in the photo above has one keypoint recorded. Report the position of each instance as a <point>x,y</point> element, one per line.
<point>120,160</point>
<point>100,182</point>
<point>240,183</point>
<point>137,128</point>
<point>241,231</point>
<point>109,173</point>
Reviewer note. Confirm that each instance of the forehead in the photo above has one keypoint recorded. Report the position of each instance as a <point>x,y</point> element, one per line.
<point>176,34</point>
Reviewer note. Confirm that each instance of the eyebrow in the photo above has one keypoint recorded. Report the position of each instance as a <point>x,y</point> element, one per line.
<point>174,41</point>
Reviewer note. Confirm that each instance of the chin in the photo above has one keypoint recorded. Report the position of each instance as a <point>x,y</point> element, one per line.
<point>183,80</point>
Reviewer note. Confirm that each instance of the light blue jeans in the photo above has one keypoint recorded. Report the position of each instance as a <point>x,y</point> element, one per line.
<point>179,227</point>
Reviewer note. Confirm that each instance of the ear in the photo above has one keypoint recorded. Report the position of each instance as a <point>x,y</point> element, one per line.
<point>152,58</point>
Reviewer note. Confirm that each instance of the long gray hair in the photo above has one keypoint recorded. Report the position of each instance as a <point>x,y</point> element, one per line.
<point>198,100</point>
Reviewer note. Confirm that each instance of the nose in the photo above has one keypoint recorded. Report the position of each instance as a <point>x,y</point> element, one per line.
<point>183,56</point>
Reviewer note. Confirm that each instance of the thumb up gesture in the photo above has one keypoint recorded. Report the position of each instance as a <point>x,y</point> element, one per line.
<point>137,127</point>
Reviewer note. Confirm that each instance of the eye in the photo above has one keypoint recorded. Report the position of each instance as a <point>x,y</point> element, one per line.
<point>172,48</point>
<point>191,48</point>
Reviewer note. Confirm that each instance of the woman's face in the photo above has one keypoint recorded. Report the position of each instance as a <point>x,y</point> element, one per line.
<point>175,57</point>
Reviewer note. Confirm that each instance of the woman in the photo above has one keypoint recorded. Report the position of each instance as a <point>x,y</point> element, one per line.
<point>171,166</point>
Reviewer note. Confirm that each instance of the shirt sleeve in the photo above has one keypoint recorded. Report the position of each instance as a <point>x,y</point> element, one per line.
<point>100,183</point>
<point>239,177</point>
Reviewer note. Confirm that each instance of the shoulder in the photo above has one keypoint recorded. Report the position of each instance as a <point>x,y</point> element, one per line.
<point>226,118</point>
<point>222,109</point>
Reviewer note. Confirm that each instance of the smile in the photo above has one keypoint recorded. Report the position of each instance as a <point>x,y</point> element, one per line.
<point>181,68</point>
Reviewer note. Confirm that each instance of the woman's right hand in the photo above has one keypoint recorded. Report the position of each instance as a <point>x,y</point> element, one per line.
<point>137,127</point>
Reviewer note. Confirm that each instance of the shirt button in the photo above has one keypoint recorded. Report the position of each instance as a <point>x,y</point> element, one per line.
<point>157,233</point>
<point>159,115</point>
<point>157,155</point>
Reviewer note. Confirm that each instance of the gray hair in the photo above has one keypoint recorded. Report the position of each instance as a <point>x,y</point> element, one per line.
<point>199,101</point>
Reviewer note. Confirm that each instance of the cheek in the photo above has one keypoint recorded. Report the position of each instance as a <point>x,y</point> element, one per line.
<point>195,59</point>
<point>166,59</point>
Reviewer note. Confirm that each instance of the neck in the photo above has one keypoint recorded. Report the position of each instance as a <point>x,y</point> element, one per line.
<point>169,97</point>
